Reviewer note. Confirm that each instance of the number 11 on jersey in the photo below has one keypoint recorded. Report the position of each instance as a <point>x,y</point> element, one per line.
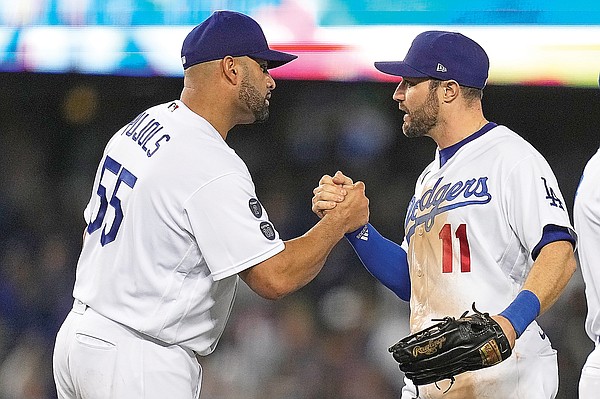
<point>447,248</point>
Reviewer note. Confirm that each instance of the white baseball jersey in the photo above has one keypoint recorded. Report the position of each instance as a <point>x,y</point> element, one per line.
<point>472,230</point>
<point>586,216</point>
<point>172,219</point>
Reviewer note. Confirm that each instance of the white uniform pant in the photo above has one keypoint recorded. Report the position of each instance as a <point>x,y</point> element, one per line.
<point>589,383</point>
<point>531,372</point>
<point>97,358</point>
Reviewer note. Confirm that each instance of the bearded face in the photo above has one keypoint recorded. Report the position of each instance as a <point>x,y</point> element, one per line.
<point>254,100</point>
<point>424,118</point>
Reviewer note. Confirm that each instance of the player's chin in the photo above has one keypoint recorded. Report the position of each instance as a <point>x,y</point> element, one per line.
<point>261,116</point>
<point>410,131</point>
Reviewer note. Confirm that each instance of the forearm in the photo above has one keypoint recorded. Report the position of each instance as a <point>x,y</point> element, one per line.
<point>305,256</point>
<point>299,263</point>
<point>384,259</point>
<point>547,279</point>
<point>551,273</point>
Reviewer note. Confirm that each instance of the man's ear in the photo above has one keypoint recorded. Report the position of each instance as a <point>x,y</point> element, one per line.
<point>451,90</point>
<point>231,69</point>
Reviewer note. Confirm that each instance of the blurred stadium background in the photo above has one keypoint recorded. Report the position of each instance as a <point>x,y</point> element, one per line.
<point>74,71</point>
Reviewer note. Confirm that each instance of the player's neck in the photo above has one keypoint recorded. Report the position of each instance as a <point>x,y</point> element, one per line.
<point>207,110</point>
<point>454,130</point>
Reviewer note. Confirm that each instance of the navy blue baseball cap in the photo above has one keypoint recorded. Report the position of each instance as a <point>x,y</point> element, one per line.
<point>229,33</point>
<point>442,55</point>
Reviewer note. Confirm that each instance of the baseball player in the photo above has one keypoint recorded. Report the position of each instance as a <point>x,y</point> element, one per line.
<point>586,216</point>
<point>487,223</point>
<point>173,220</point>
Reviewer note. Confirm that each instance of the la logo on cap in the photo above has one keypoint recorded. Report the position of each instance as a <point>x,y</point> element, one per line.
<point>441,68</point>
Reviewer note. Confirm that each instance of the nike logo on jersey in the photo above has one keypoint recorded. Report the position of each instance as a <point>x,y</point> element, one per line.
<point>444,198</point>
<point>542,334</point>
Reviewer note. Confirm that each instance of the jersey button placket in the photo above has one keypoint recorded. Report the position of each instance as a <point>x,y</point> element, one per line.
<point>420,232</point>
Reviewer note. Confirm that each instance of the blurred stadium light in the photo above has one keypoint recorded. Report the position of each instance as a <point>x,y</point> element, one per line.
<point>534,42</point>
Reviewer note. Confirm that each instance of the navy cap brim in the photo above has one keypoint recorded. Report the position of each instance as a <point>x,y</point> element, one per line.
<point>399,68</point>
<point>274,58</point>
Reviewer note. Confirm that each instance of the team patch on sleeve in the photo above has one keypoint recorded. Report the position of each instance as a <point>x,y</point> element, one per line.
<point>551,195</point>
<point>255,207</point>
<point>268,231</point>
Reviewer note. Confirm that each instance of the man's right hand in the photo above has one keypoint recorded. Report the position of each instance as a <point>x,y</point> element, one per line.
<point>339,197</point>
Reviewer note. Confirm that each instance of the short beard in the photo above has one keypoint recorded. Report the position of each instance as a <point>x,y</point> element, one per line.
<point>424,118</point>
<point>254,100</point>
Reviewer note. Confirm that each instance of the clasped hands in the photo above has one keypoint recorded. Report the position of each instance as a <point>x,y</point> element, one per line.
<point>339,197</point>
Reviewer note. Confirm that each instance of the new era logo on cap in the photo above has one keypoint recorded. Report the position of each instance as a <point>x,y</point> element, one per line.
<point>441,68</point>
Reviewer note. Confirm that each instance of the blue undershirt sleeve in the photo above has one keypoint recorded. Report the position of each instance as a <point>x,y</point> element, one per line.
<point>551,233</point>
<point>383,258</point>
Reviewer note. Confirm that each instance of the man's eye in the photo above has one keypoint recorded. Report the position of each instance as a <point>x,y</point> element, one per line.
<point>264,68</point>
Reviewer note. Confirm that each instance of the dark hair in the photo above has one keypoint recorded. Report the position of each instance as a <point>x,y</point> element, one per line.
<point>472,93</point>
<point>434,83</point>
<point>469,93</point>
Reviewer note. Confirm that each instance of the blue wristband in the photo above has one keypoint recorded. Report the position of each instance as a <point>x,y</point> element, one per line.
<point>522,311</point>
